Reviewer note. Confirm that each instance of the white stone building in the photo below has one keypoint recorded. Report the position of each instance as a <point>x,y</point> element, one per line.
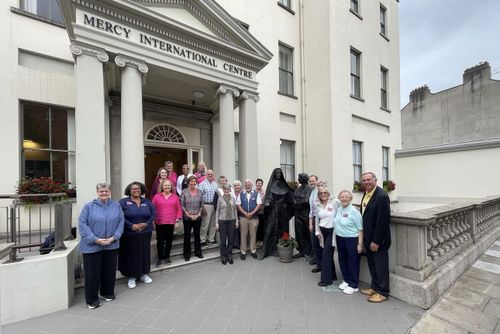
<point>246,86</point>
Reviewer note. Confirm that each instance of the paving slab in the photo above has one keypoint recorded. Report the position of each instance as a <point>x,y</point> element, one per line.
<point>462,295</point>
<point>430,324</point>
<point>248,297</point>
<point>492,309</point>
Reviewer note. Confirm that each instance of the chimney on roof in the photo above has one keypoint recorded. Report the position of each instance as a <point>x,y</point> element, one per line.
<point>478,73</point>
<point>418,95</point>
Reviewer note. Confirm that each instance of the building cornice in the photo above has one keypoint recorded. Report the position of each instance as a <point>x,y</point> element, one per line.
<point>448,148</point>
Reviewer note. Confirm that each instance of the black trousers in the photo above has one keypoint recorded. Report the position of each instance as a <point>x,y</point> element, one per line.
<point>195,226</point>
<point>164,238</point>
<point>227,230</point>
<point>378,263</point>
<point>328,272</point>
<point>134,258</point>
<point>100,274</point>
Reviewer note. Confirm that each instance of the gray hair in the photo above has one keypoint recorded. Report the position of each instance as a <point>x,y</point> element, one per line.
<point>102,185</point>
<point>248,180</point>
<point>322,183</point>
<point>237,183</point>
<point>226,187</point>
<point>346,192</point>
<point>371,173</point>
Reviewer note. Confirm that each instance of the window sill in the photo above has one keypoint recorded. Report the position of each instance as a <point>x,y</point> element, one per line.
<point>385,109</point>
<point>288,9</point>
<point>356,14</point>
<point>357,98</point>
<point>288,95</point>
<point>36,17</point>
<point>385,37</point>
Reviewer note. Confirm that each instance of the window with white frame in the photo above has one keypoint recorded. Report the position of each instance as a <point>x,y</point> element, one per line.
<point>355,6</point>
<point>385,163</point>
<point>355,73</point>
<point>285,70</point>
<point>357,160</point>
<point>48,9</point>
<point>383,88</point>
<point>383,20</point>
<point>46,150</point>
<point>237,155</point>
<point>287,159</point>
<point>285,3</point>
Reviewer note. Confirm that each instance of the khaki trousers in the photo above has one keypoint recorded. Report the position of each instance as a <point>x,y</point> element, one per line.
<point>208,224</point>
<point>248,226</point>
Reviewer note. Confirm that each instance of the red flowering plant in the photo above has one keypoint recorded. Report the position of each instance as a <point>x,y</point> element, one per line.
<point>287,241</point>
<point>389,185</point>
<point>42,185</point>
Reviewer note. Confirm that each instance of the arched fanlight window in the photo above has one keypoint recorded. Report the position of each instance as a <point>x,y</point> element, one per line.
<point>165,133</point>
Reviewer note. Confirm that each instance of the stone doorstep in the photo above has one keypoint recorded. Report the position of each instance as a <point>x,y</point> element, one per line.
<point>424,294</point>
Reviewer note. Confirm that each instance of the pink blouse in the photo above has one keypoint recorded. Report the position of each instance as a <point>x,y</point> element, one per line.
<point>167,210</point>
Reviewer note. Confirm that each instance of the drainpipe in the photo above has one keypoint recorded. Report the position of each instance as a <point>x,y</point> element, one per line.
<point>303,85</point>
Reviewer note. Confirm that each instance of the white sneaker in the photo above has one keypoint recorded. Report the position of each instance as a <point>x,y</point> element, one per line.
<point>343,285</point>
<point>131,283</point>
<point>349,290</point>
<point>146,279</point>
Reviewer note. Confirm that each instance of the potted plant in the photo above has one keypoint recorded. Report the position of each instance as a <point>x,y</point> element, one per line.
<point>42,186</point>
<point>286,244</point>
<point>389,186</point>
<point>358,187</point>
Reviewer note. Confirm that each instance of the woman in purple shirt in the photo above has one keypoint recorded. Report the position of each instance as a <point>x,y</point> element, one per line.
<point>134,259</point>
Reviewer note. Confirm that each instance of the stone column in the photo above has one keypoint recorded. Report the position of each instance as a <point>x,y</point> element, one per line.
<point>248,147</point>
<point>132,141</point>
<point>226,132</point>
<point>90,129</point>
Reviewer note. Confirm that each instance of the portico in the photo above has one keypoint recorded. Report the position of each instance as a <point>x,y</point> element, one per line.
<point>137,67</point>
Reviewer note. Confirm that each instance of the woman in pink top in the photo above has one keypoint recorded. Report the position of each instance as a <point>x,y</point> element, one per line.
<point>168,215</point>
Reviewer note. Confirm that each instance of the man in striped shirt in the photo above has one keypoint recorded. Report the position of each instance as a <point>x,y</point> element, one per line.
<point>208,187</point>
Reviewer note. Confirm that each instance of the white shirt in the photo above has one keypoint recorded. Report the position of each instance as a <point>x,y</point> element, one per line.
<point>326,214</point>
<point>179,182</point>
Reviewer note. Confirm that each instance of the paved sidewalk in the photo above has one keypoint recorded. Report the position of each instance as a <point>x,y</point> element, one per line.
<point>472,304</point>
<point>248,297</point>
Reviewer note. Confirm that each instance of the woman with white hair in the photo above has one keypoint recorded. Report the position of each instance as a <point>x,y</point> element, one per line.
<point>100,225</point>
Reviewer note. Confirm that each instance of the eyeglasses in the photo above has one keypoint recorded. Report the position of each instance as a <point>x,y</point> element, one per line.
<point>322,193</point>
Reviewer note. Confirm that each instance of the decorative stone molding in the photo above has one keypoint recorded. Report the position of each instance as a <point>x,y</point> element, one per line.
<point>447,148</point>
<point>223,89</point>
<point>247,95</point>
<point>165,133</point>
<point>79,49</point>
<point>123,61</point>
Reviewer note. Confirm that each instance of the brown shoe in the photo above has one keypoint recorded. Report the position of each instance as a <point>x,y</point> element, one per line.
<point>377,298</point>
<point>367,291</point>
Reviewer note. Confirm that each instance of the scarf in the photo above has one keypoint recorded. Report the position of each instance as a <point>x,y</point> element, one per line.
<point>229,211</point>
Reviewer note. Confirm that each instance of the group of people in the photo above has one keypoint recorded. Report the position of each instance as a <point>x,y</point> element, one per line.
<point>118,234</point>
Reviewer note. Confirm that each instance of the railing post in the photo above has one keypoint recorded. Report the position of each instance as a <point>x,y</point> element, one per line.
<point>59,227</point>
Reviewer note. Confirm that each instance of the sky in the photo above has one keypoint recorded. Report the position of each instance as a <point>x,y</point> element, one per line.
<point>439,39</point>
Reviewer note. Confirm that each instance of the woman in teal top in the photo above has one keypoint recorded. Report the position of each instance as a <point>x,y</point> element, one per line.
<point>348,224</point>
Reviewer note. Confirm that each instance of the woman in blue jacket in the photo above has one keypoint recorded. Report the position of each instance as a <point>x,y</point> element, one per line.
<point>100,226</point>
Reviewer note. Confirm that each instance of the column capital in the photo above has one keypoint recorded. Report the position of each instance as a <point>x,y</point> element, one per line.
<point>223,89</point>
<point>123,61</point>
<point>78,49</point>
<point>248,95</point>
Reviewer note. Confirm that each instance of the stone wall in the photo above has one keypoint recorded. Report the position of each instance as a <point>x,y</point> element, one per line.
<point>435,246</point>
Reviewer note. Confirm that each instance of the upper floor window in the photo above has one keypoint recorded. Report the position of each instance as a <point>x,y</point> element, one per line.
<point>47,145</point>
<point>383,88</point>
<point>285,70</point>
<point>48,9</point>
<point>385,163</point>
<point>383,20</point>
<point>285,3</point>
<point>287,159</point>
<point>355,73</point>
<point>355,6</point>
<point>357,161</point>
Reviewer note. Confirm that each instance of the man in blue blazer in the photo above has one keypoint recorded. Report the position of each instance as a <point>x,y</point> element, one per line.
<point>375,208</point>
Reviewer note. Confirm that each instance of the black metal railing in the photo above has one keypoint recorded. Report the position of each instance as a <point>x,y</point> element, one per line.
<point>27,225</point>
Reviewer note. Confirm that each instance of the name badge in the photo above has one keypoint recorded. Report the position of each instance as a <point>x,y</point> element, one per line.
<point>330,209</point>
<point>345,215</point>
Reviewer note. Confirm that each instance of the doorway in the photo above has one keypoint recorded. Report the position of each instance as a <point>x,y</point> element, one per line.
<point>155,157</point>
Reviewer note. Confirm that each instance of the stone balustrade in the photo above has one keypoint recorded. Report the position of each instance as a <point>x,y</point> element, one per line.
<point>434,246</point>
